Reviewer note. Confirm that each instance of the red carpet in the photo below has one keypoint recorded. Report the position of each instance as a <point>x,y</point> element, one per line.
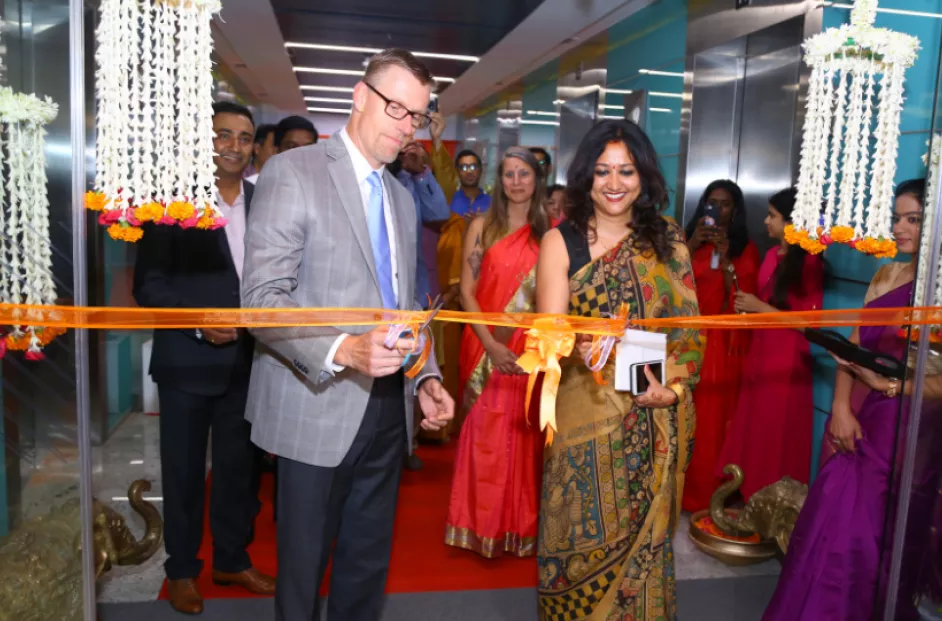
<point>420,559</point>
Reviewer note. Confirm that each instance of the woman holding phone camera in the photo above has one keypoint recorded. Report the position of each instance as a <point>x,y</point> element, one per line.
<point>769,436</point>
<point>613,476</point>
<point>724,262</point>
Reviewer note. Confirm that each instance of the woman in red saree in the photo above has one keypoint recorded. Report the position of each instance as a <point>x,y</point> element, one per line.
<point>495,494</point>
<point>724,261</point>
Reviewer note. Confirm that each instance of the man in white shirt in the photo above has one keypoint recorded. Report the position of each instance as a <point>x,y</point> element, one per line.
<point>202,379</point>
<point>332,228</point>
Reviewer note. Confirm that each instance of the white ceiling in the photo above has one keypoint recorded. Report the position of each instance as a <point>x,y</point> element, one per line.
<point>249,41</point>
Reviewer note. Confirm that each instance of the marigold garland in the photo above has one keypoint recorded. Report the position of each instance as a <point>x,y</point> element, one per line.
<point>155,135</point>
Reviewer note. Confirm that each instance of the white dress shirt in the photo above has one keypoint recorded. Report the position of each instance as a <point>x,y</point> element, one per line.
<point>253,179</point>
<point>362,170</point>
<point>235,227</point>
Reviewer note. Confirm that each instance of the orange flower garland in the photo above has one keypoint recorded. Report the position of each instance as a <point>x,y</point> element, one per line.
<point>880,248</point>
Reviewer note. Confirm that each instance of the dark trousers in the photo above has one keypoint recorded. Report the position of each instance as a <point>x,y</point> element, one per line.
<point>185,423</point>
<point>354,504</point>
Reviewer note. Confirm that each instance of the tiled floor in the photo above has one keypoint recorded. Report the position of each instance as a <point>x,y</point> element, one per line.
<point>132,453</point>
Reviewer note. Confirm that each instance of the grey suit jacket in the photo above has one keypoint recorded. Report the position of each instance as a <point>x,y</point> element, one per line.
<point>307,245</point>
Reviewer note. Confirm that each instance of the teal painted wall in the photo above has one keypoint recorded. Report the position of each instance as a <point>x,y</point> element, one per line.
<point>538,96</point>
<point>653,38</point>
<point>122,348</point>
<point>848,272</point>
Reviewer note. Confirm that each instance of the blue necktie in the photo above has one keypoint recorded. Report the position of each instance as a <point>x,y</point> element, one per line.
<point>379,238</point>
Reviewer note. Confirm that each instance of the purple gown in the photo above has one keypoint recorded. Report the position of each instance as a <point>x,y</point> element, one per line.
<point>834,557</point>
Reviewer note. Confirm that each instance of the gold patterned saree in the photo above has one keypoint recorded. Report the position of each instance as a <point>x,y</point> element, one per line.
<point>613,477</point>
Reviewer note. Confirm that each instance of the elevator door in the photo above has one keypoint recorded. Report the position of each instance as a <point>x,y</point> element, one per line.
<point>745,120</point>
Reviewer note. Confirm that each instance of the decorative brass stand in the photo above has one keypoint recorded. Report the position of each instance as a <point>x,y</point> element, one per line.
<point>755,533</point>
<point>41,561</point>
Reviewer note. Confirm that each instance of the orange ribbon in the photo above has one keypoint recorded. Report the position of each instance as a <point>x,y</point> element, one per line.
<point>116,318</point>
<point>547,341</point>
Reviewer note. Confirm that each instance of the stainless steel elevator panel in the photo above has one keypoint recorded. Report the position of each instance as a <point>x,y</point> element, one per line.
<point>767,161</point>
<point>576,118</point>
<point>713,151</point>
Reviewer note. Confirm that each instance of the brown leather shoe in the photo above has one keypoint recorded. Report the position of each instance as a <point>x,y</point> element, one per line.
<point>185,597</point>
<point>252,580</point>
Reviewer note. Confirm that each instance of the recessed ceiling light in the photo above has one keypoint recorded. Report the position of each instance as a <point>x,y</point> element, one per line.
<point>660,109</point>
<point>613,118</point>
<point>532,122</point>
<point>617,91</point>
<point>329,110</point>
<point>542,113</point>
<point>672,74</point>
<point>609,107</point>
<point>374,50</point>
<point>660,94</point>
<point>355,72</point>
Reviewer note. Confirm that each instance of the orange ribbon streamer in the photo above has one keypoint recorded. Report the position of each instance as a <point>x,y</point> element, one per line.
<point>549,340</point>
<point>118,318</point>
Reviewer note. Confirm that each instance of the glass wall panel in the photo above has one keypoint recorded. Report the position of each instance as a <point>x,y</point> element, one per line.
<point>41,520</point>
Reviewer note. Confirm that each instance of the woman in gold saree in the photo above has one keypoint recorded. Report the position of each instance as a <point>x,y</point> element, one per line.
<point>613,477</point>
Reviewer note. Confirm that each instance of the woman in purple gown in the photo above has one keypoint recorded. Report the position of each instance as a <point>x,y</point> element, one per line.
<point>837,552</point>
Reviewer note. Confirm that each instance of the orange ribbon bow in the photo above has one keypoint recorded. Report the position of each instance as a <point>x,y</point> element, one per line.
<point>548,340</point>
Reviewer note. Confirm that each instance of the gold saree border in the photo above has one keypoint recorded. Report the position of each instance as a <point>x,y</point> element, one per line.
<point>490,547</point>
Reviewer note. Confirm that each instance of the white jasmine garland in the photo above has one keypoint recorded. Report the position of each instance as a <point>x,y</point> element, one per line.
<point>844,160</point>
<point>932,160</point>
<point>25,251</point>
<point>154,91</point>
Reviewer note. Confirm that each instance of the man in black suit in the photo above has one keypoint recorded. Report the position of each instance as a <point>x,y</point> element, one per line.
<point>202,379</point>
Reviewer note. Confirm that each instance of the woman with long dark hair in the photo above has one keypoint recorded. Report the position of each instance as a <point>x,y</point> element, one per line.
<point>495,491</point>
<point>770,434</point>
<point>724,262</point>
<point>839,549</point>
<point>613,476</point>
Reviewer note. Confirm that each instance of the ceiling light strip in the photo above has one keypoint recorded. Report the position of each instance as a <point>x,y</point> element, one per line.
<point>329,100</point>
<point>329,110</point>
<point>842,5</point>
<point>331,89</point>
<point>670,74</point>
<point>353,72</point>
<point>374,50</point>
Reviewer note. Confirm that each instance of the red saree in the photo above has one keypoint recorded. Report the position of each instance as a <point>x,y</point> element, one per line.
<point>716,394</point>
<point>495,493</point>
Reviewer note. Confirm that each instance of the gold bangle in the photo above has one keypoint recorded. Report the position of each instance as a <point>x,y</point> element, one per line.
<point>893,389</point>
<point>678,390</point>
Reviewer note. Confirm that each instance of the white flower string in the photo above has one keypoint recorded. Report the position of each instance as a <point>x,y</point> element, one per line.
<point>836,153</point>
<point>932,159</point>
<point>25,250</point>
<point>154,92</point>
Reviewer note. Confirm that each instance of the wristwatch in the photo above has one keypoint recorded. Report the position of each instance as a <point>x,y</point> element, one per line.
<point>731,269</point>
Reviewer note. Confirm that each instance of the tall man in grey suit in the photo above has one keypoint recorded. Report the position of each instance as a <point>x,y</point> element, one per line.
<point>331,228</point>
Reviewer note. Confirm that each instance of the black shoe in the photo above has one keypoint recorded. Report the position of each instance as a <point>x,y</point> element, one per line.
<point>413,463</point>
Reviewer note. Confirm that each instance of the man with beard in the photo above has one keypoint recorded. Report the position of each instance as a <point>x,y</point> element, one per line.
<point>202,379</point>
<point>470,200</point>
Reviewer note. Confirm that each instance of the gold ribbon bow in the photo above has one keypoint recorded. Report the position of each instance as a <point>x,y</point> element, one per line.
<point>548,340</point>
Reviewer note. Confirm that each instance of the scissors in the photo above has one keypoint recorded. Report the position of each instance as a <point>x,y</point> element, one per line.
<point>396,331</point>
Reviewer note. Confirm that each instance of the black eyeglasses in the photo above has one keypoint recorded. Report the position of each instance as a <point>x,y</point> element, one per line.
<point>398,111</point>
